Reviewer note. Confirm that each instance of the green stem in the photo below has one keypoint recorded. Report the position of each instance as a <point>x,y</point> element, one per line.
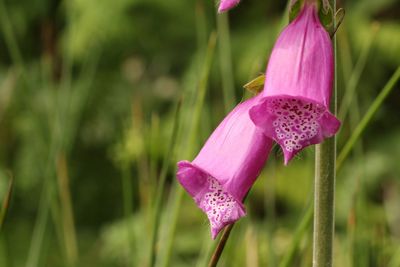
<point>324,200</point>
<point>6,202</point>
<point>66,211</point>
<point>222,241</point>
<point>325,175</point>
<point>221,245</point>
<point>127,197</point>
<point>344,153</point>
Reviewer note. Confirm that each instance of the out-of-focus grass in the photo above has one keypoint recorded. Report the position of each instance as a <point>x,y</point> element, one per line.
<point>6,202</point>
<point>87,96</point>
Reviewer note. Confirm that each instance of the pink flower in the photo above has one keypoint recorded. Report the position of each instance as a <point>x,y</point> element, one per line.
<point>294,110</point>
<point>226,167</point>
<point>225,5</point>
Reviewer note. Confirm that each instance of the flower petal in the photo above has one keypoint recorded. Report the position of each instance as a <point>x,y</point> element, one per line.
<point>226,167</point>
<point>225,5</point>
<point>294,122</point>
<point>220,206</point>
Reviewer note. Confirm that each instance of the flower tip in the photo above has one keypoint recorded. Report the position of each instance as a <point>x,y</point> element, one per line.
<point>286,161</point>
<point>330,124</point>
<point>222,9</point>
<point>287,157</point>
<point>182,163</point>
<point>214,233</point>
<point>225,5</point>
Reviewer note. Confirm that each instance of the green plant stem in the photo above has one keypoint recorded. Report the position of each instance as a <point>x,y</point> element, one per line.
<point>6,202</point>
<point>221,245</point>
<point>222,241</point>
<point>127,198</point>
<point>324,202</point>
<point>67,214</point>
<point>344,153</point>
<point>324,198</point>
<point>368,116</point>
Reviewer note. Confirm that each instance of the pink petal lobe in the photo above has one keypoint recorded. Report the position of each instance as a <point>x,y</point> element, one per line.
<point>294,122</point>
<point>219,205</point>
<point>225,5</point>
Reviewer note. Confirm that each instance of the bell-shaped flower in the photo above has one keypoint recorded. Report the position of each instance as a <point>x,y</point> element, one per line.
<point>226,167</point>
<point>225,5</point>
<point>294,110</point>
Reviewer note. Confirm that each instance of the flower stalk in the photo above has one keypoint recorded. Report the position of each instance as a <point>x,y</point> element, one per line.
<point>324,200</point>
<point>221,245</point>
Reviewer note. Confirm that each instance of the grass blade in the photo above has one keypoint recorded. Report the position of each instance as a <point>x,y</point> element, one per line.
<point>161,185</point>
<point>301,230</point>
<point>367,118</point>
<point>6,202</point>
<point>67,213</point>
<point>351,86</point>
<point>195,119</point>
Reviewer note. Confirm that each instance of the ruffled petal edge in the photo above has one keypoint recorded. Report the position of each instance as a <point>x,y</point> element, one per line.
<point>210,196</point>
<point>294,122</point>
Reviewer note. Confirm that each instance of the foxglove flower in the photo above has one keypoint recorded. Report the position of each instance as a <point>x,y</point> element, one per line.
<point>225,5</point>
<point>294,110</point>
<point>226,167</point>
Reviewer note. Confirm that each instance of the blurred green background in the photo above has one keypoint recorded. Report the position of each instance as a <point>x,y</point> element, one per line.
<point>90,134</point>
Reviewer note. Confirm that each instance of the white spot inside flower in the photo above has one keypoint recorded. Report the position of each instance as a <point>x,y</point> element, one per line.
<point>217,204</point>
<point>296,121</point>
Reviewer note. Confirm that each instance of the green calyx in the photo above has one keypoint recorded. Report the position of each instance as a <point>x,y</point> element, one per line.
<point>295,8</point>
<point>325,12</point>
<point>326,15</point>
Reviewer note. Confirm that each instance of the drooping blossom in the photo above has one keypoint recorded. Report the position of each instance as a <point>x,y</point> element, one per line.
<point>294,110</point>
<point>226,167</point>
<point>225,5</point>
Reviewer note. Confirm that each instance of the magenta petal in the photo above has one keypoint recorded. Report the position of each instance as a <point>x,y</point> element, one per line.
<point>294,122</point>
<point>329,124</point>
<point>294,110</point>
<point>219,205</point>
<point>225,5</point>
<point>226,167</point>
